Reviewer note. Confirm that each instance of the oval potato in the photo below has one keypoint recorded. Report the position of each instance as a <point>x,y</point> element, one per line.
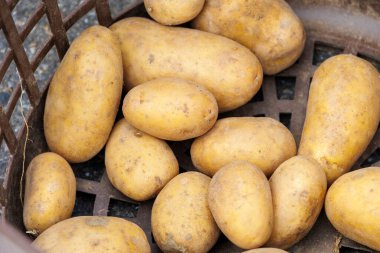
<point>84,96</point>
<point>231,72</point>
<point>95,234</point>
<point>298,191</point>
<point>343,112</point>
<point>265,250</point>
<point>171,109</point>
<point>173,12</point>
<point>261,141</point>
<point>50,189</point>
<point>137,164</point>
<point>269,28</point>
<point>240,200</point>
<point>181,218</point>
<point>353,206</point>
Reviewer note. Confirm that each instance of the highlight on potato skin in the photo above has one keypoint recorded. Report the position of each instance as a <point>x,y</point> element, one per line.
<point>352,206</point>
<point>269,28</point>
<point>342,115</point>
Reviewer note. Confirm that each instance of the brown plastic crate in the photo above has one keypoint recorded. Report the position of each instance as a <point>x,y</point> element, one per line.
<point>333,27</point>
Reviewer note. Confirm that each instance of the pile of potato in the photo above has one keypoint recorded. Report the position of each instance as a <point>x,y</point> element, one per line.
<point>253,184</point>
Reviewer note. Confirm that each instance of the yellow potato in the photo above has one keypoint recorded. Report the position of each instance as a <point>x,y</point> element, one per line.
<point>261,141</point>
<point>240,200</point>
<point>298,191</point>
<point>231,72</point>
<point>50,189</point>
<point>343,113</point>
<point>265,250</point>
<point>269,28</point>
<point>84,96</point>
<point>173,12</point>
<point>93,234</point>
<point>353,206</point>
<point>171,109</point>
<point>181,219</point>
<point>137,164</point>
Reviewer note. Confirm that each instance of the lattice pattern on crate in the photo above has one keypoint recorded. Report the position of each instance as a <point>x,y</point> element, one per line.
<point>282,97</point>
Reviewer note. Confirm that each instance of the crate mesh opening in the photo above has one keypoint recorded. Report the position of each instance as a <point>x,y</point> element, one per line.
<point>117,6</point>
<point>84,204</point>
<point>20,113</point>
<point>4,47</point>
<point>285,118</point>
<point>67,6</point>
<point>4,159</point>
<point>373,158</point>
<point>324,51</point>
<point>46,68</point>
<point>122,209</point>
<point>9,84</point>
<point>259,96</point>
<point>22,11</point>
<point>285,87</point>
<point>84,22</point>
<point>37,37</point>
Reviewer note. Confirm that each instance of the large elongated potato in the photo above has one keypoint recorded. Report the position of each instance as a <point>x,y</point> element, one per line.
<point>261,141</point>
<point>240,200</point>
<point>353,206</point>
<point>84,96</point>
<point>171,108</point>
<point>95,234</point>
<point>227,69</point>
<point>343,113</point>
<point>298,190</point>
<point>181,218</point>
<point>50,189</point>
<point>138,165</point>
<point>269,28</point>
<point>173,12</point>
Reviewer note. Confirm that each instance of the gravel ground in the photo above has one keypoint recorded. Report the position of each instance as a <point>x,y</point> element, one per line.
<point>32,43</point>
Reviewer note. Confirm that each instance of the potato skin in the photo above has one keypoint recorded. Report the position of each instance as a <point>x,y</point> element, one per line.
<point>171,108</point>
<point>298,190</point>
<point>137,164</point>
<point>261,141</point>
<point>265,250</point>
<point>269,28</point>
<point>241,203</point>
<point>181,219</point>
<point>173,12</point>
<point>95,234</point>
<point>342,115</point>
<point>231,72</point>
<point>352,205</point>
<point>50,189</point>
<point>84,96</point>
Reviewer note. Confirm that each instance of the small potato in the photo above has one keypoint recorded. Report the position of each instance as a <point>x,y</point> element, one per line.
<point>343,113</point>
<point>269,28</point>
<point>240,200</point>
<point>171,109</point>
<point>50,189</point>
<point>137,164</point>
<point>181,219</point>
<point>93,234</point>
<point>84,96</point>
<point>265,250</point>
<point>298,190</point>
<point>173,12</point>
<point>261,141</point>
<point>230,71</point>
<point>353,206</point>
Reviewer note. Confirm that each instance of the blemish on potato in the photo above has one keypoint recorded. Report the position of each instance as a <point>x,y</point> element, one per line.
<point>151,58</point>
<point>138,134</point>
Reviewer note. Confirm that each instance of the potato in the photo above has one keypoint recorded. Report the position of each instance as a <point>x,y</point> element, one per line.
<point>342,114</point>
<point>298,191</point>
<point>181,219</point>
<point>241,203</point>
<point>50,189</point>
<point>265,250</point>
<point>84,96</point>
<point>261,141</point>
<point>269,28</point>
<point>171,108</point>
<point>137,164</point>
<point>231,72</point>
<point>173,12</point>
<point>353,206</point>
<point>95,234</point>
